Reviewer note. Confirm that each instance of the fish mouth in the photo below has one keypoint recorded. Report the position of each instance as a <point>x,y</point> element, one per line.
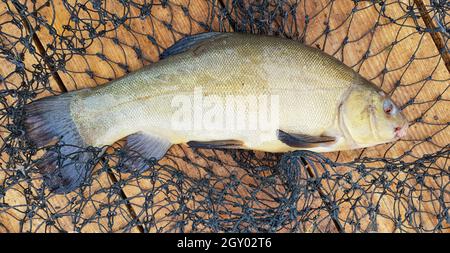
<point>401,131</point>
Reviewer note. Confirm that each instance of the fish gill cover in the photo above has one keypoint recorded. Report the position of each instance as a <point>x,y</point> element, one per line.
<point>51,47</point>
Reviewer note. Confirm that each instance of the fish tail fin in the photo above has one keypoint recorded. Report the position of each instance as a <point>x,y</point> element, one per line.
<point>47,121</point>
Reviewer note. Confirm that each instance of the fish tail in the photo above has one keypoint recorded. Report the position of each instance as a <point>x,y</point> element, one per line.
<point>48,121</point>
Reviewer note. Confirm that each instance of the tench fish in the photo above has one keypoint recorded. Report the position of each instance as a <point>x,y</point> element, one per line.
<point>216,90</point>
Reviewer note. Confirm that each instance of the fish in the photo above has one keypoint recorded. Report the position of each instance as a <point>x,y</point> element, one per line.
<point>215,90</point>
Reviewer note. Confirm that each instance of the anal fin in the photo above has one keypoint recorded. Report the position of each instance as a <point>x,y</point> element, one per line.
<point>304,141</point>
<point>142,147</point>
<point>224,144</point>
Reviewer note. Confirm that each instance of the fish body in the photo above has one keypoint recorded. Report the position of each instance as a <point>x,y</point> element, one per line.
<point>214,90</point>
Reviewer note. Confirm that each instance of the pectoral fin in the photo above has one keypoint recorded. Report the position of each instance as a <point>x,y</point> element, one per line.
<point>231,144</point>
<point>143,147</point>
<point>304,141</point>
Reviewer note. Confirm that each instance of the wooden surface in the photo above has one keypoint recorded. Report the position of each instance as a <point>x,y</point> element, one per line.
<point>88,70</point>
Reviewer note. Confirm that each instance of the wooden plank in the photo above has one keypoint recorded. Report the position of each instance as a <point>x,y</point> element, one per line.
<point>349,31</point>
<point>22,210</point>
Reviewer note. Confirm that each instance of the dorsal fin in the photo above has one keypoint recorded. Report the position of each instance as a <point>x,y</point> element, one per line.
<point>189,42</point>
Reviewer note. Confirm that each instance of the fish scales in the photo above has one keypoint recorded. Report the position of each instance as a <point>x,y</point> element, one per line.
<point>234,65</point>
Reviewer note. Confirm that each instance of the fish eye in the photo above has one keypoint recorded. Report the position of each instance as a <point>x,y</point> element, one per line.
<point>388,107</point>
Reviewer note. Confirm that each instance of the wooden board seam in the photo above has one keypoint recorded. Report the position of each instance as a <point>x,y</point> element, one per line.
<point>436,36</point>
<point>40,48</point>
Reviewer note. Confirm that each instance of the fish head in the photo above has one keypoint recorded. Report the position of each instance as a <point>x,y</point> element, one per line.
<point>369,117</point>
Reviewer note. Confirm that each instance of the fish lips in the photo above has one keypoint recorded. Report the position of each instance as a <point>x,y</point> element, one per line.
<point>400,132</point>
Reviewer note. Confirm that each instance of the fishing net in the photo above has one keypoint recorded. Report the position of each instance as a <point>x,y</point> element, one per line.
<point>49,47</point>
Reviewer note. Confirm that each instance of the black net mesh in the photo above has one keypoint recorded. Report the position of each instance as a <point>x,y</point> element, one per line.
<point>53,46</point>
